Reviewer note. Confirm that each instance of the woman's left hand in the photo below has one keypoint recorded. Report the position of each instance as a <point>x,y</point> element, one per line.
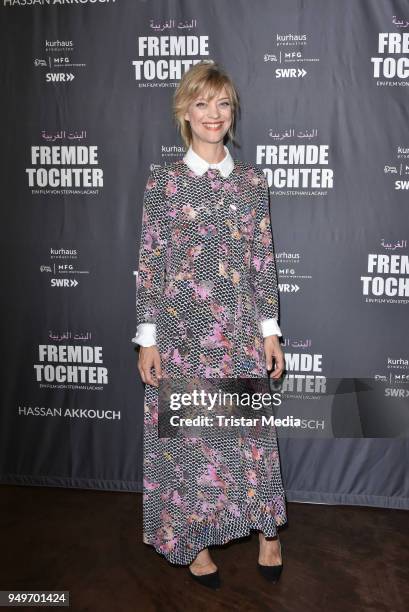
<point>272,349</point>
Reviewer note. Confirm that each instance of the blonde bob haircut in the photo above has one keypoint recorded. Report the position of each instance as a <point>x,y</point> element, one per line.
<point>204,78</point>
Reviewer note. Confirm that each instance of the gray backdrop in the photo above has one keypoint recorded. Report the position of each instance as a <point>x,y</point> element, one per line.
<point>86,111</point>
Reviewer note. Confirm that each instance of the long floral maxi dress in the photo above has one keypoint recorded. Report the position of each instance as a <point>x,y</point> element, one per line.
<point>206,278</point>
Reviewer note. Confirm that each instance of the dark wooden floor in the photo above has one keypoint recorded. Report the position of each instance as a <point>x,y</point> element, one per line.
<point>336,558</point>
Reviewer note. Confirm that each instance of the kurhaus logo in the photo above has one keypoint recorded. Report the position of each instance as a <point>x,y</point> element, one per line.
<point>59,44</point>
<point>289,39</point>
<point>172,152</point>
<point>400,363</point>
<point>64,269</point>
<point>399,168</point>
<point>394,377</point>
<point>392,364</point>
<point>63,253</point>
<point>57,60</point>
<point>288,268</point>
<point>289,56</point>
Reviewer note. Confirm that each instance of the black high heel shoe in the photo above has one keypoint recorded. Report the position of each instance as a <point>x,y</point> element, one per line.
<point>212,581</point>
<point>271,573</point>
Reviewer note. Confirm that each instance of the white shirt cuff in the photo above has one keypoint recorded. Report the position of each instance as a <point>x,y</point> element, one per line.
<point>269,327</point>
<point>145,334</point>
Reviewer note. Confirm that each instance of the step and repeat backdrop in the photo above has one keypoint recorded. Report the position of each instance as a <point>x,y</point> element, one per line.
<point>87,89</point>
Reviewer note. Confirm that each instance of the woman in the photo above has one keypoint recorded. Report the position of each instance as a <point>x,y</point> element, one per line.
<point>207,306</point>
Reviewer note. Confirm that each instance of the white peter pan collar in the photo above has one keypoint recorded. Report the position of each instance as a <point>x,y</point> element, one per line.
<point>200,165</point>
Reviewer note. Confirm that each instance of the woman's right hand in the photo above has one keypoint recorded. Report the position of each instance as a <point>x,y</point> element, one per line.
<point>149,357</point>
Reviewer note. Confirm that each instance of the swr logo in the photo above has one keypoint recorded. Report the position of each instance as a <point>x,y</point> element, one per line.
<point>290,73</point>
<point>288,288</point>
<point>402,185</point>
<point>64,282</point>
<point>59,76</point>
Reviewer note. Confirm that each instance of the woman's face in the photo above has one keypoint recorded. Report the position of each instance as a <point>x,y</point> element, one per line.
<point>210,119</point>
